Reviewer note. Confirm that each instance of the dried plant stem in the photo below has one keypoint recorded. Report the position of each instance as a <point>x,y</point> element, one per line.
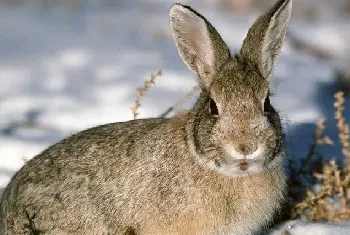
<point>330,200</point>
<point>317,140</point>
<point>142,91</point>
<point>319,205</point>
<point>181,102</point>
<point>343,127</point>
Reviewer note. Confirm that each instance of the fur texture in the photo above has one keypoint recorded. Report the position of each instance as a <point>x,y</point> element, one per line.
<point>181,175</point>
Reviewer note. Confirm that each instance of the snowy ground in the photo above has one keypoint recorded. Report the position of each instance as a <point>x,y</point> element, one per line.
<point>298,227</point>
<point>63,70</point>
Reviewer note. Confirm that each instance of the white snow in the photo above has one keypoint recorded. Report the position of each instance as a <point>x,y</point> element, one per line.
<point>298,227</point>
<point>63,70</point>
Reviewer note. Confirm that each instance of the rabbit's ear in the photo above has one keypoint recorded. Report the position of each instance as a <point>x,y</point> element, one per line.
<point>264,39</point>
<point>199,44</point>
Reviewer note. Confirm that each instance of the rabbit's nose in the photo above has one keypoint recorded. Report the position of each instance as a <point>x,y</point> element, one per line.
<point>246,148</point>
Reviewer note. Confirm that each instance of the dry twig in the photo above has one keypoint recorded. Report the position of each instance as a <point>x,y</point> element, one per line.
<point>331,199</point>
<point>181,102</point>
<point>318,139</point>
<point>343,127</point>
<point>141,92</point>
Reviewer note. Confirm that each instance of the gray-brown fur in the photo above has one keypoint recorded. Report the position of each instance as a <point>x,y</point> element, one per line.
<point>168,176</point>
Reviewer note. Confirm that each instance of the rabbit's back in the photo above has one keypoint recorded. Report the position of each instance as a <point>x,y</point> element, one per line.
<point>93,177</point>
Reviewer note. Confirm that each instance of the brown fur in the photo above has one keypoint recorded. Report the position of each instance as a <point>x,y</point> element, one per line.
<point>165,176</point>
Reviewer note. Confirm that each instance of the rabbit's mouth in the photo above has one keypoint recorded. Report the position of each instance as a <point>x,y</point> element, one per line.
<point>234,163</point>
<point>240,167</point>
<point>245,167</point>
<point>249,166</point>
<point>231,163</point>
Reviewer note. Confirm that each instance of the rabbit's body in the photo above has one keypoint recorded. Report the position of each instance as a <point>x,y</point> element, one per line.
<point>218,169</point>
<point>168,193</point>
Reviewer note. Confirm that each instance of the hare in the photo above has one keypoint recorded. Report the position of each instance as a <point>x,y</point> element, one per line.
<point>217,169</point>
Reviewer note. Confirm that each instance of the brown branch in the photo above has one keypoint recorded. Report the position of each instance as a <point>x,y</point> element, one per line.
<point>181,102</point>
<point>141,92</point>
<point>317,140</point>
<point>343,127</point>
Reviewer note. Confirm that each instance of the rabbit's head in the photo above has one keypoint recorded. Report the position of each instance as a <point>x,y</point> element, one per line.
<point>233,128</point>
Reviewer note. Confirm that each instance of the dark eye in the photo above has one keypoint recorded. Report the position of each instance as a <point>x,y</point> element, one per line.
<point>213,109</point>
<point>267,106</point>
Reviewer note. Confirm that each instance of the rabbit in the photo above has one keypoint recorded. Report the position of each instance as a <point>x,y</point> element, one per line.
<point>219,168</point>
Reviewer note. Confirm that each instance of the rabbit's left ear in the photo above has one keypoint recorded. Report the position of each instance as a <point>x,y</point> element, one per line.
<point>199,44</point>
<point>264,39</point>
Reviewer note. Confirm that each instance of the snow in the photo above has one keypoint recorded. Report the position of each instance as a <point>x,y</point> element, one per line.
<point>64,70</point>
<point>298,227</point>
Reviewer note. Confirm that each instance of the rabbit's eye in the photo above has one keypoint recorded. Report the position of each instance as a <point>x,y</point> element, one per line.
<point>267,104</point>
<point>213,108</point>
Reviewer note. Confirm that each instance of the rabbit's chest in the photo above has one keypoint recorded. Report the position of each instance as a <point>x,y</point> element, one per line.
<point>248,209</point>
<point>239,212</point>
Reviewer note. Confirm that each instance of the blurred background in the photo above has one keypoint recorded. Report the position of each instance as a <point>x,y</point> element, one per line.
<point>67,65</point>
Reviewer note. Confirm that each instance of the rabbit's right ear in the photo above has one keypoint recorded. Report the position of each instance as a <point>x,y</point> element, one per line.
<point>199,44</point>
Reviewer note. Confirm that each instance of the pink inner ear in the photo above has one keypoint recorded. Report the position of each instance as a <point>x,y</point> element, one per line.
<point>203,46</point>
<point>193,31</point>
